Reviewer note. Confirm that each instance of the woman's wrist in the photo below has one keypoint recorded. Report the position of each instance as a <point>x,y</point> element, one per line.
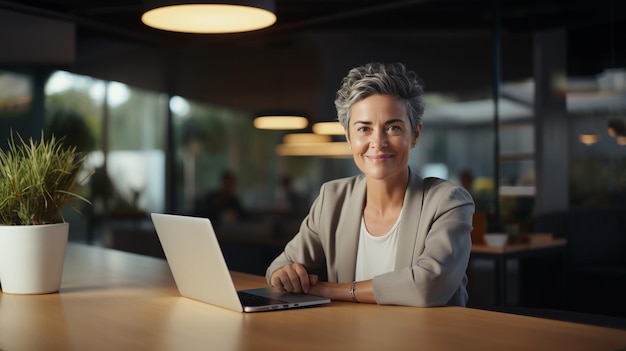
<point>319,290</point>
<point>352,292</point>
<point>340,291</point>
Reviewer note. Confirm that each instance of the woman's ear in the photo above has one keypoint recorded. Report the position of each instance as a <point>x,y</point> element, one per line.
<point>416,137</point>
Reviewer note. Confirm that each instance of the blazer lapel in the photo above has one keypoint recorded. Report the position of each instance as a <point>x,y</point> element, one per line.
<point>407,228</point>
<point>348,233</point>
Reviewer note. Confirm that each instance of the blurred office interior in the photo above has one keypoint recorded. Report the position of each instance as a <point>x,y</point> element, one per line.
<point>527,97</point>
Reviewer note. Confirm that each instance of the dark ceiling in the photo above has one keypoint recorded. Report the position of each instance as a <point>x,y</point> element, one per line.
<point>593,29</point>
<point>121,18</point>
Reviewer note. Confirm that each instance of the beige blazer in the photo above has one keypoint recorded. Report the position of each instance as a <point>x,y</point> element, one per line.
<point>433,248</point>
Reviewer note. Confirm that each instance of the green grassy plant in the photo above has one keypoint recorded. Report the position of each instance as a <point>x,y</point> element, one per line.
<point>37,178</point>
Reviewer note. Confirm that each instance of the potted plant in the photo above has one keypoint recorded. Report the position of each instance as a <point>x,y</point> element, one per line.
<point>37,178</point>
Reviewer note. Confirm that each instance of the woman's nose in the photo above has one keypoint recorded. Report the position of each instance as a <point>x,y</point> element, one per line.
<point>378,140</point>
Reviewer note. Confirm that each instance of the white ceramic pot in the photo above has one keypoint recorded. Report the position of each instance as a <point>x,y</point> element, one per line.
<point>32,257</point>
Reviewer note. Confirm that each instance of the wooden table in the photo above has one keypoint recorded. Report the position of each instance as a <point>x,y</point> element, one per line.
<point>500,256</point>
<point>112,300</point>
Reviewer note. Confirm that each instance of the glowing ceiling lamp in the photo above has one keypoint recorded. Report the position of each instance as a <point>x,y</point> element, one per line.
<point>324,149</point>
<point>193,16</point>
<point>588,138</point>
<point>305,138</point>
<point>328,128</point>
<point>280,122</point>
<point>312,144</point>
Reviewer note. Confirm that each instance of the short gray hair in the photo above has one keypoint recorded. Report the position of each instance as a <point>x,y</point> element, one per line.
<point>381,78</point>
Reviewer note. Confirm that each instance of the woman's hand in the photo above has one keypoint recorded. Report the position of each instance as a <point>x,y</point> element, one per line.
<point>292,278</point>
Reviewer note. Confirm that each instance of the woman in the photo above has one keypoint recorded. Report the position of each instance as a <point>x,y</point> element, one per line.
<point>387,236</point>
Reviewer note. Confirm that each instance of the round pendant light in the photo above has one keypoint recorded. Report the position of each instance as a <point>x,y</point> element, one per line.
<point>209,17</point>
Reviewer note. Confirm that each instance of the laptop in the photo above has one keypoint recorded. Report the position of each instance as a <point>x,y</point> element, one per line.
<point>200,272</point>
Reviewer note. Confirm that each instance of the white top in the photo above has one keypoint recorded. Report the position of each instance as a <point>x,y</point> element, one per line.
<point>376,254</point>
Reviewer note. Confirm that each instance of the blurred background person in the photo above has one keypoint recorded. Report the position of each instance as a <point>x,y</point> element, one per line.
<point>287,200</point>
<point>222,205</point>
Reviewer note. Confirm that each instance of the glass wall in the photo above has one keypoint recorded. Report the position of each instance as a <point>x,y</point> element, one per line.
<point>123,131</point>
<point>120,130</point>
<point>135,159</point>
<point>209,140</point>
<point>74,111</point>
<point>597,112</point>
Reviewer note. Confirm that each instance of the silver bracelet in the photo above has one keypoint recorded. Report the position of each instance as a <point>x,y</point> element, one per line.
<point>352,291</point>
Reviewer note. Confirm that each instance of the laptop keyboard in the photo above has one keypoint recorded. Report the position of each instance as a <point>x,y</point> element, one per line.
<point>248,299</point>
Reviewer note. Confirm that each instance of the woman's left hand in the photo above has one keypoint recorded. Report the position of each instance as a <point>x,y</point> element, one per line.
<point>292,278</point>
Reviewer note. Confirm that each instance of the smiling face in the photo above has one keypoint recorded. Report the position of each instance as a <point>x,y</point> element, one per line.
<point>380,135</point>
